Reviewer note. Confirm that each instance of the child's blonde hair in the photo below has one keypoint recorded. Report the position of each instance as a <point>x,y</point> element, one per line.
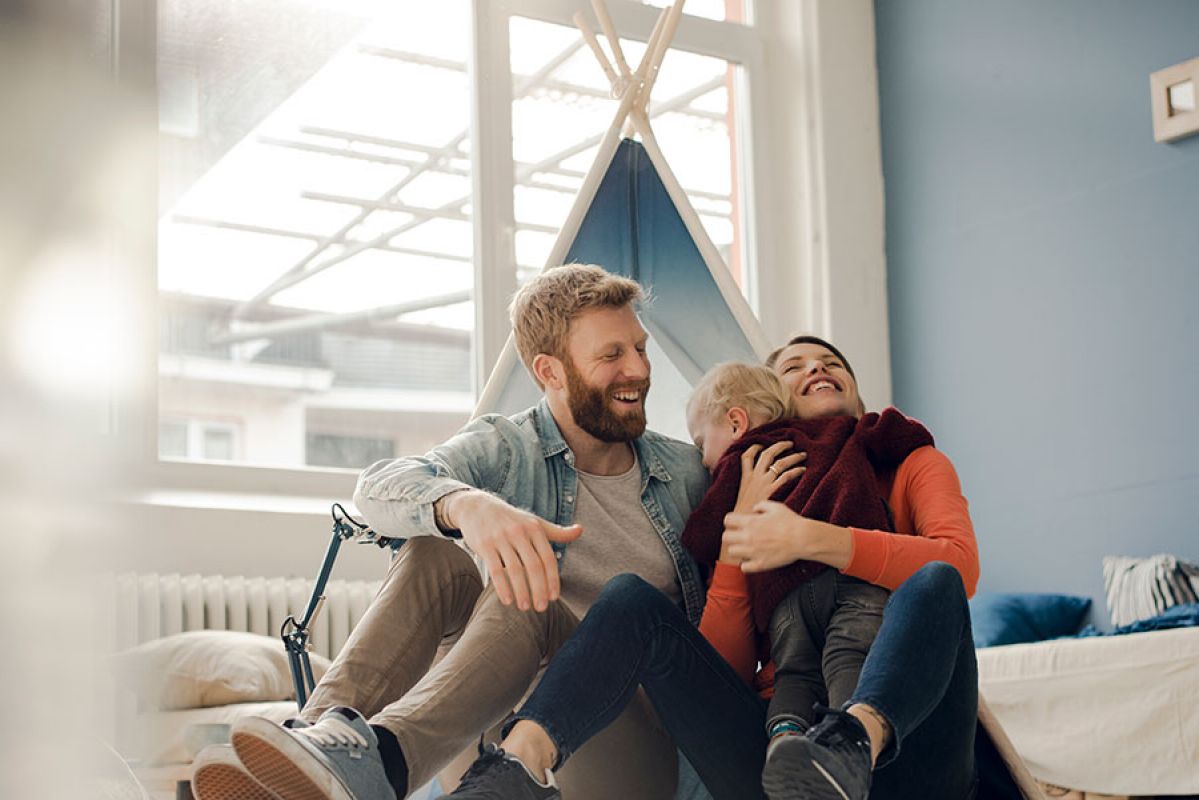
<point>734,384</point>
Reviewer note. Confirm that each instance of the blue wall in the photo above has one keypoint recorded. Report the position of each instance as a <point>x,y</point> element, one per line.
<point>1043,274</point>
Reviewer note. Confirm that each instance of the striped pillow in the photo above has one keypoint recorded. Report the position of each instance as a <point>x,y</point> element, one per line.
<point>1139,588</point>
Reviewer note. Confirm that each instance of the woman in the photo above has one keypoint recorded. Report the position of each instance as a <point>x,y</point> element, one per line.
<point>908,730</point>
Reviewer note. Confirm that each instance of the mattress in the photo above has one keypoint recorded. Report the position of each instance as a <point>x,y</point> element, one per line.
<point>1115,715</point>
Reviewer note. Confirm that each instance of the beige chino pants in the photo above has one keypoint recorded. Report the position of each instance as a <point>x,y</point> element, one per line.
<point>433,604</point>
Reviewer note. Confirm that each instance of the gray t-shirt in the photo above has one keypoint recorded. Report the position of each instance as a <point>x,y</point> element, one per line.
<point>617,537</point>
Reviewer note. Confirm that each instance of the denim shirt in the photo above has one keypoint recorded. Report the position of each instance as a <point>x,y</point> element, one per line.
<point>524,460</point>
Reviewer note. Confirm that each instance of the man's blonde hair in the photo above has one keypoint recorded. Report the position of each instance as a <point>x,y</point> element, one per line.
<point>543,309</point>
<point>736,385</point>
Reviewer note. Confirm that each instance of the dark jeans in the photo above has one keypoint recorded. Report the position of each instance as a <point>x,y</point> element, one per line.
<point>819,637</point>
<point>920,674</point>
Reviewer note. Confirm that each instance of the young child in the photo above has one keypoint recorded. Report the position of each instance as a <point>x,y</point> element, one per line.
<point>815,624</point>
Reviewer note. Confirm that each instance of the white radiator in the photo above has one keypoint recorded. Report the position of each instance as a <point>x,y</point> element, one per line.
<point>151,606</point>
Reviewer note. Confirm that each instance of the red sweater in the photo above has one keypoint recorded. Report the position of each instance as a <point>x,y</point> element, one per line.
<point>926,499</point>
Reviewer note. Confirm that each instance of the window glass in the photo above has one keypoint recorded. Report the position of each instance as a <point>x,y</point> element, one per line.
<point>727,10</point>
<point>217,444</point>
<point>559,116</point>
<point>325,450</point>
<point>172,440</point>
<point>315,240</point>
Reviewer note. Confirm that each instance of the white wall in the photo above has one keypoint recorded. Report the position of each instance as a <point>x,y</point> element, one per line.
<point>825,271</point>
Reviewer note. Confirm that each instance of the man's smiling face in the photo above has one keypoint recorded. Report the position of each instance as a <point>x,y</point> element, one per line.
<point>818,380</point>
<point>607,374</point>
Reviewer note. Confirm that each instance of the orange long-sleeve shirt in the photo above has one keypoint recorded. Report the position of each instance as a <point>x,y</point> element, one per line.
<point>926,499</point>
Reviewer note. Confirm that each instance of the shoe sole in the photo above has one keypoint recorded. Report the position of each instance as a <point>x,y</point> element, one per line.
<point>272,755</point>
<point>792,773</point>
<point>220,776</point>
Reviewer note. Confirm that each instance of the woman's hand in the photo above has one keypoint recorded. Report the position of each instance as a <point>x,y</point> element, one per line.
<point>772,536</point>
<point>764,472</point>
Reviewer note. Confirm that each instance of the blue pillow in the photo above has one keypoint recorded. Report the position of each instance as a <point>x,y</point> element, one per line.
<point>999,618</point>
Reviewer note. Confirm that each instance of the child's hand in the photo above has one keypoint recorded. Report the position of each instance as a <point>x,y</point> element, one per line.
<point>764,472</point>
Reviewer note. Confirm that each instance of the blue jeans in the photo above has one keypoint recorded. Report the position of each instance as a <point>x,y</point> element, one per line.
<point>920,674</point>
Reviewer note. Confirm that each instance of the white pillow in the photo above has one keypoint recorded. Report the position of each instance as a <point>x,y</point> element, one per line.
<point>201,669</point>
<point>1139,588</point>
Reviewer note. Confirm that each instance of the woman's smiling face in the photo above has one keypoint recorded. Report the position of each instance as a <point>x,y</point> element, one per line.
<point>818,380</point>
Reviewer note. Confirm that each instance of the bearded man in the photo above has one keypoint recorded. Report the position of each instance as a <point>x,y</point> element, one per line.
<point>553,502</point>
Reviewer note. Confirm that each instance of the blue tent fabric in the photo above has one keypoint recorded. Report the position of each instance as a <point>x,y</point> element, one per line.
<point>632,228</point>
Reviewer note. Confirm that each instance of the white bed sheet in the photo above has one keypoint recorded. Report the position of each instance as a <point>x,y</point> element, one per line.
<point>158,736</point>
<point>1116,715</point>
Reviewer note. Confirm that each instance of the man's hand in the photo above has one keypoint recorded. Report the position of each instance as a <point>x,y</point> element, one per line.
<point>514,546</point>
<point>773,536</point>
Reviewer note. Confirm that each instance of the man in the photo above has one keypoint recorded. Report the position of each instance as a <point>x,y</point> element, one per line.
<point>554,502</point>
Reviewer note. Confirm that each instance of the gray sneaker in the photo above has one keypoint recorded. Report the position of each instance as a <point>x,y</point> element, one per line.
<point>219,775</point>
<point>337,758</point>
<point>495,775</point>
<point>830,761</point>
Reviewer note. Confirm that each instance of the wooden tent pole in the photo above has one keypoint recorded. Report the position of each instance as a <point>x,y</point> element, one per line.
<point>659,44</point>
<point>592,42</point>
<point>605,21</point>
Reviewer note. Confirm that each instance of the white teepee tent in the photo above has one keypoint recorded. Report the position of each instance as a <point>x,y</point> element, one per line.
<point>632,217</point>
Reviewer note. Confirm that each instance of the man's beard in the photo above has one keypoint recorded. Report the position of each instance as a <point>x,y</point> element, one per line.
<point>592,410</point>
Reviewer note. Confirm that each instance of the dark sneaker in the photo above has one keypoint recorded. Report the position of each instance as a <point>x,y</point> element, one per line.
<point>495,775</point>
<point>829,762</point>
<point>219,775</point>
<point>336,758</point>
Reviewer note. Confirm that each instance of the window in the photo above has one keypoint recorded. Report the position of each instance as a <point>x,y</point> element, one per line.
<point>727,10</point>
<point>315,231</point>
<point>172,439</point>
<point>325,450</point>
<point>198,440</point>
<point>320,273</point>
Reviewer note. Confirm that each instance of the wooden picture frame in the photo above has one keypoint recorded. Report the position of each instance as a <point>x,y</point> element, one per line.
<point>1173,116</point>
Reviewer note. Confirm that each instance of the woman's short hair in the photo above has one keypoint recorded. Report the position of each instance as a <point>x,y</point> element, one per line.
<point>734,384</point>
<point>543,309</point>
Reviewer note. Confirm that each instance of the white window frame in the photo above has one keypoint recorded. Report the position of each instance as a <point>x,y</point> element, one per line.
<point>812,115</point>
